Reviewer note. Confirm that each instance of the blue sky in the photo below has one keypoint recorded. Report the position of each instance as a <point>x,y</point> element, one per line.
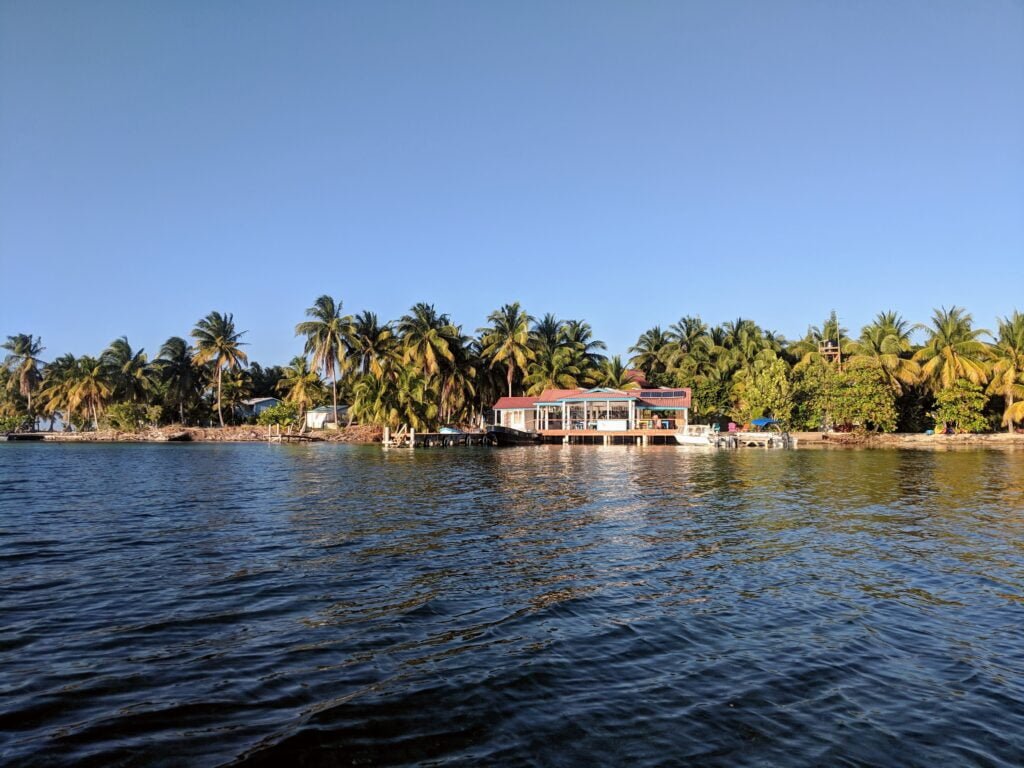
<point>626,163</point>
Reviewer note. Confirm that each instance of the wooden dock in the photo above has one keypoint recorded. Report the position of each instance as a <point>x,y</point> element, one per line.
<point>275,435</point>
<point>755,440</point>
<point>410,438</point>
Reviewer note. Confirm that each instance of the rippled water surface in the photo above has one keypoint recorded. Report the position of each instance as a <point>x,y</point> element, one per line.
<point>333,605</point>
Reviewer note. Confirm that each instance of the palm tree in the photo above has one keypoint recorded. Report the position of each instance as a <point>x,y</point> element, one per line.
<point>556,370</point>
<point>371,342</point>
<point>1008,368</point>
<point>328,336</point>
<point>743,341</point>
<point>374,401</point>
<point>507,340</point>
<point>180,375</point>
<point>615,374</point>
<point>547,334</point>
<point>55,388</point>
<point>650,351</point>
<point>688,334</point>
<point>458,382</point>
<point>127,370</point>
<point>89,387</point>
<point>426,337</point>
<point>489,383</point>
<point>23,363</point>
<point>218,342</point>
<point>580,335</point>
<point>265,380</point>
<point>885,344</point>
<point>952,351</point>
<point>302,384</point>
<point>416,397</point>
<point>237,388</point>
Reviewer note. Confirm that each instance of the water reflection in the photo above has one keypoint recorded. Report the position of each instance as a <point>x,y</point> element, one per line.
<point>326,604</point>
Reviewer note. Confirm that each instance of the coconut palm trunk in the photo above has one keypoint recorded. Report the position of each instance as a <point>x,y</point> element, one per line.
<point>220,415</point>
<point>334,393</point>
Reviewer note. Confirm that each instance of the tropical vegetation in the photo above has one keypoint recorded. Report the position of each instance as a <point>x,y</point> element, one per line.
<point>424,370</point>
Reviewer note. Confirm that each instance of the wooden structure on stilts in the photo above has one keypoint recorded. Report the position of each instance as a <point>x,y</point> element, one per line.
<point>275,435</point>
<point>405,437</point>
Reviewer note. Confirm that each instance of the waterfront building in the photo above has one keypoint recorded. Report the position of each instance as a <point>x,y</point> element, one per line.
<point>254,406</point>
<point>597,412</point>
<point>324,417</point>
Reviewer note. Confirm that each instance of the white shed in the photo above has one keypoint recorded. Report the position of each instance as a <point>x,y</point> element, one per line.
<point>323,417</point>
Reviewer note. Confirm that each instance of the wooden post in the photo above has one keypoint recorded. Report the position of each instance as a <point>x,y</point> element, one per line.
<point>412,438</point>
<point>386,439</point>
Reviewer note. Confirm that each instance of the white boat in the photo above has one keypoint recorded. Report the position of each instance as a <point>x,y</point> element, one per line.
<point>696,434</point>
<point>761,440</point>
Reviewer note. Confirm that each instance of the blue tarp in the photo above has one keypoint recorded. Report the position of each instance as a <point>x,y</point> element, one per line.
<point>763,422</point>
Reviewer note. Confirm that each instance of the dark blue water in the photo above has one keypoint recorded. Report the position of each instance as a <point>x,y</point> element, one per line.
<point>331,605</point>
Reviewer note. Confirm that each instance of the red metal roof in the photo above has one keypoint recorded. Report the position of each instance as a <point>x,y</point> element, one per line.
<point>647,398</point>
<point>551,395</point>
<point>507,403</point>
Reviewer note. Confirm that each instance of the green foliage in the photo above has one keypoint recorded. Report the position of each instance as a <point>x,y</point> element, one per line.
<point>283,414</point>
<point>711,400</point>
<point>960,407</point>
<point>857,397</point>
<point>863,399</point>
<point>507,341</point>
<point>764,390</point>
<point>125,417</point>
<point>22,363</point>
<point>813,385</point>
<point>11,423</point>
<point>219,344</point>
<point>914,408</point>
<point>422,371</point>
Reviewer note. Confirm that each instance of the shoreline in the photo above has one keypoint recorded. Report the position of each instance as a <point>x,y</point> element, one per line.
<point>355,434</point>
<point>907,440</point>
<point>369,435</point>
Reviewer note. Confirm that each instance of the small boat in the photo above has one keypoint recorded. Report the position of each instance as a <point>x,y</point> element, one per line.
<point>22,437</point>
<point>451,431</point>
<point>503,436</point>
<point>696,434</point>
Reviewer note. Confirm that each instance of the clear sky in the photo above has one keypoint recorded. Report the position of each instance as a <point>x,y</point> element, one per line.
<point>626,163</point>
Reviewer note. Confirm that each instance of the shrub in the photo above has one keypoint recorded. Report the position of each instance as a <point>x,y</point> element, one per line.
<point>285,414</point>
<point>961,407</point>
<point>10,423</point>
<point>125,417</point>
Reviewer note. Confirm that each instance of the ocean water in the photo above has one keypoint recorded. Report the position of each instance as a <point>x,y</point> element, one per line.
<point>272,605</point>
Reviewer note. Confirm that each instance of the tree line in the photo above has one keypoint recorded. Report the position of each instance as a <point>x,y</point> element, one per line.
<point>423,370</point>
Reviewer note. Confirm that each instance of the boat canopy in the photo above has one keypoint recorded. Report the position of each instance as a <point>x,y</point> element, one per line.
<point>764,421</point>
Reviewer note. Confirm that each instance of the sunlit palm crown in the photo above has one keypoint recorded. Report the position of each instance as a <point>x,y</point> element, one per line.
<point>1008,367</point>
<point>23,361</point>
<point>427,337</point>
<point>217,341</point>
<point>953,350</point>
<point>507,340</point>
<point>128,371</point>
<point>885,344</point>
